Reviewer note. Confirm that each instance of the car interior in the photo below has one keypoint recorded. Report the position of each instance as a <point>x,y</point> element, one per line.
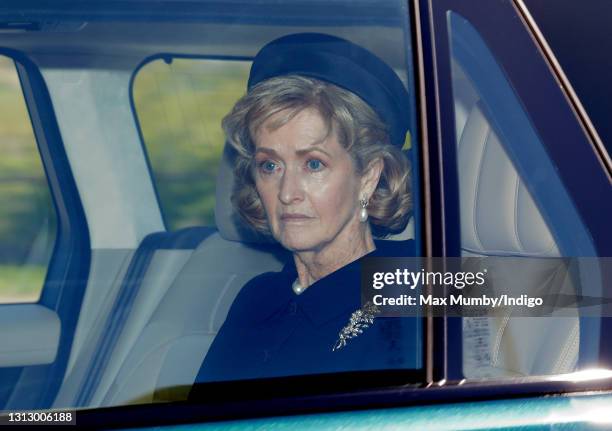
<point>501,222</point>
<point>500,218</point>
<point>155,298</point>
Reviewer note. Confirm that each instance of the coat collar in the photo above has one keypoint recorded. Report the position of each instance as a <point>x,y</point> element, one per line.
<point>339,293</point>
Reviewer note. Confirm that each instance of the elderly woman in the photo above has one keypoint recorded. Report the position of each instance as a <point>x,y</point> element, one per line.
<point>319,169</point>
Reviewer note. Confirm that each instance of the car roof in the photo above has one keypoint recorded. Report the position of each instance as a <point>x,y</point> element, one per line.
<point>204,28</point>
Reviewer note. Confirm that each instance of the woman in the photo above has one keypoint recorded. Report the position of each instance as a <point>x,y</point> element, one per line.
<point>318,168</point>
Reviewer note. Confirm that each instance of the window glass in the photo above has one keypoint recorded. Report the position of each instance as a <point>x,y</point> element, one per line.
<point>27,216</point>
<point>506,186</point>
<point>139,98</point>
<point>180,104</point>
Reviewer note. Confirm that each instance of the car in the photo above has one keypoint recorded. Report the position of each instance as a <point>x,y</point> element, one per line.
<point>121,252</point>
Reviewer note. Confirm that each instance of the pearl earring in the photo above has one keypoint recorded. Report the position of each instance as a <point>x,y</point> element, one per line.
<point>363,212</point>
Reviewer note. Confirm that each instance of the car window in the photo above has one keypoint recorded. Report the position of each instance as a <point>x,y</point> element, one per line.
<point>180,104</point>
<point>506,185</point>
<point>170,281</point>
<point>134,111</point>
<point>28,222</point>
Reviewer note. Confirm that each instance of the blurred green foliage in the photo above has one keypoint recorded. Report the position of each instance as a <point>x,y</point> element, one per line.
<point>27,222</point>
<point>21,283</point>
<point>180,107</point>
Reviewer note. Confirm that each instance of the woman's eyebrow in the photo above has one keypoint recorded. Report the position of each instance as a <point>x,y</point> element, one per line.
<point>266,150</point>
<point>314,147</point>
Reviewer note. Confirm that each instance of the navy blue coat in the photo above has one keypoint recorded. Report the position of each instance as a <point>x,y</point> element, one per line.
<point>270,331</point>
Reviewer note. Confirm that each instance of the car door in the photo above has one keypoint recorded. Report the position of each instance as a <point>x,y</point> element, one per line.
<point>497,140</point>
<point>483,66</point>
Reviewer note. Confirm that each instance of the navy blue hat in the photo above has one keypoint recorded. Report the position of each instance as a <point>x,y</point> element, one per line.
<point>344,64</point>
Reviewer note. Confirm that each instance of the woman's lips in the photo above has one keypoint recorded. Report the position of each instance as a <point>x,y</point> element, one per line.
<point>294,217</point>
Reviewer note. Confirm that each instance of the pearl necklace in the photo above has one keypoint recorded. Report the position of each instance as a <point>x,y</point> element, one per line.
<point>297,287</point>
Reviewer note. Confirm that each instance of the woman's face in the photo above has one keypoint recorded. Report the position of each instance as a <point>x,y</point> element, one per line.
<point>307,183</point>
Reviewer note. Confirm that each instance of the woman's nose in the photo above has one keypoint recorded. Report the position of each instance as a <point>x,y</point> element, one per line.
<point>290,188</point>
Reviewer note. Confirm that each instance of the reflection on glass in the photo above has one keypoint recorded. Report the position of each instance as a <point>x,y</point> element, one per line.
<point>27,217</point>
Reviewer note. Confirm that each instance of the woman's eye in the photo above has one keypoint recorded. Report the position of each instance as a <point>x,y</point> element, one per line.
<point>267,166</point>
<point>315,165</point>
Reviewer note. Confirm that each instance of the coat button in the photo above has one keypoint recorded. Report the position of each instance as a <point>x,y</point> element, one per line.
<point>293,308</point>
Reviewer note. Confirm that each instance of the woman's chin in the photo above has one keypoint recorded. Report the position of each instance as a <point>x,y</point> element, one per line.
<point>298,243</point>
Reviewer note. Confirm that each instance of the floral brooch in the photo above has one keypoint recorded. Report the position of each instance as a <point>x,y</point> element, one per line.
<point>359,321</point>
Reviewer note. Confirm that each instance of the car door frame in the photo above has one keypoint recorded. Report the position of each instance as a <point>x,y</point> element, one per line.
<point>68,269</point>
<point>441,238</point>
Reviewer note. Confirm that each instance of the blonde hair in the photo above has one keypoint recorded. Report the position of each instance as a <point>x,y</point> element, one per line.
<point>358,129</point>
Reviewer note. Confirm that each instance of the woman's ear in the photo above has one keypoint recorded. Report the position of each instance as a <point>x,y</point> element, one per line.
<point>371,176</point>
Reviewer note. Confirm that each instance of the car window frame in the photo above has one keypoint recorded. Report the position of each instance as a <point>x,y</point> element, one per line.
<point>438,236</point>
<point>273,386</point>
<point>492,21</point>
<point>68,267</point>
<point>442,382</point>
